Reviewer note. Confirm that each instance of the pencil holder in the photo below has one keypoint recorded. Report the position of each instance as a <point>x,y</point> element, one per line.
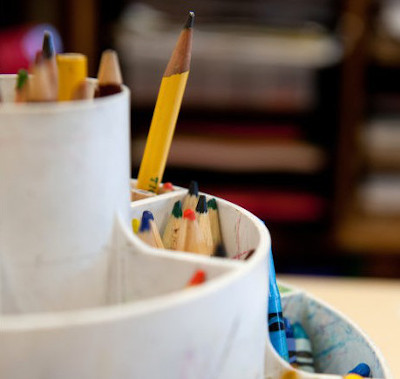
<point>81,296</point>
<point>65,175</point>
<point>338,345</point>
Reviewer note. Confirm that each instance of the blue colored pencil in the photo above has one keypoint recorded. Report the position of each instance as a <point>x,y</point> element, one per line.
<point>276,324</point>
<point>304,355</point>
<point>291,343</point>
<point>361,369</point>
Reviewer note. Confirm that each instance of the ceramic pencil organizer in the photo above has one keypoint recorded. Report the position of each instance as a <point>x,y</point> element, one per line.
<point>80,295</point>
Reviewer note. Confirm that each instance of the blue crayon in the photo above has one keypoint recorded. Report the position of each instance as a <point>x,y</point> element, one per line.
<point>276,324</point>
<point>291,343</point>
<point>304,355</point>
<point>361,369</point>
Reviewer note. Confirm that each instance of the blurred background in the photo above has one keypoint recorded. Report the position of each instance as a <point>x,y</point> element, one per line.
<point>292,110</point>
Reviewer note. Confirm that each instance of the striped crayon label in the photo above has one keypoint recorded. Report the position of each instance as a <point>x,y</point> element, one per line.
<point>304,357</point>
<point>277,334</point>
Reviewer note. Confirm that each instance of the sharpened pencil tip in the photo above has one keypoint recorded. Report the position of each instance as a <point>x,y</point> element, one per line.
<point>190,21</point>
<point>193,188</point>
<point>177,210</point>
<point>145,222</point>
<point>201,205</point>
<point>48,46</point>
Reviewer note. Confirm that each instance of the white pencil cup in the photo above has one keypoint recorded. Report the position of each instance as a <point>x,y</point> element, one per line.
<point>82,297</point>
<point>64,172</point>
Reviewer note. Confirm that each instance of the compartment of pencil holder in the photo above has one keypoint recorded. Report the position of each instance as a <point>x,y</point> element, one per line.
<point>65,174</point>
<point>337,344</point>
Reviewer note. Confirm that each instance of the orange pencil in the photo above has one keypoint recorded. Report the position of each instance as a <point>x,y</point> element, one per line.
<point>194,241</point>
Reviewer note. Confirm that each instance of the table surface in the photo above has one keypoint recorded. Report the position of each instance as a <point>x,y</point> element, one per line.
<point>373,304</point>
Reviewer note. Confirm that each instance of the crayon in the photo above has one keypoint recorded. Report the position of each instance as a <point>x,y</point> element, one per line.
<point>203,219</point>
<point>291,343</point>
<point>191,199</point>
<point>361,369</point>
<point>276,324</point>
<point>173,229</point>
<point>352,376</point>
<point>304,355</point>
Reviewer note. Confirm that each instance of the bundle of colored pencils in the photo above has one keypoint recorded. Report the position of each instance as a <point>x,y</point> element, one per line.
<point>193,226</point>
<point>63,77</point>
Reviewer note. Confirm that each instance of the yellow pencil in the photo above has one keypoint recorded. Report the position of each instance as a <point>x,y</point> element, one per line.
<point>166,111</point>
<point>72,70</point>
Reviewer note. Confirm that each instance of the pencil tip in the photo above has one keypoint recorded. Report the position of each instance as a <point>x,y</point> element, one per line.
<point>177,210</point>
<point>21,78</point>
<point>190,21</point>
<point>194,188</point>
<point>48,45</point>
<point>189,214</point>
<point>201,205</point>
<point>212,204</point>
<point>145,222</point>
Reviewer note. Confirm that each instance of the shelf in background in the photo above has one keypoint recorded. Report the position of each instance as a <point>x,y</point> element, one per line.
<point>362,234</point>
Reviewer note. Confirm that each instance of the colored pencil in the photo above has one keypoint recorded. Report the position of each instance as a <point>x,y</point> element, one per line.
<point>304,355</point>
<point>21,86</point>
<point>148,231</point>
<point>72,71</point>
<point>215,227</point>
<point>135,225</point>
<point>204,223</point>
<point>276,325</point>
<point>83,91</point>
<point>194,241</point>
<point>192,197</point>
<point>166,111</point>
<point>173,229</point>
<point>40,88</point>
<point>109,75</point>
<point>49,59</point>
<point>165,188</point>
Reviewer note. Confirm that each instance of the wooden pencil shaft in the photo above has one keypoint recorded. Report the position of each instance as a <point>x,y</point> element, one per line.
<point>166,112</point>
